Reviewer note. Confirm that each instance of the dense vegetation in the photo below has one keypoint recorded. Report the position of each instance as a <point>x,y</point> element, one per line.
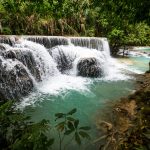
<point>125,22</point>
<point>17,132</point>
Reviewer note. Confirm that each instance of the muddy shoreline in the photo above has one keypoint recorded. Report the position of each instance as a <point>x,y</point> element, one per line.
<point>126,125</point>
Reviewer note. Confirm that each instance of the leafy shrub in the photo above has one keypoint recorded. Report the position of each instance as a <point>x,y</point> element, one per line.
<point>18,132</point>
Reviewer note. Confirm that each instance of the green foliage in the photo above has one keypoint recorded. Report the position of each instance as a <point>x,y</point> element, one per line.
<point>70,126</point>
<point>18,132</point>
<point>138,34</point>
<point>116,37</point>
<point>122,22</point>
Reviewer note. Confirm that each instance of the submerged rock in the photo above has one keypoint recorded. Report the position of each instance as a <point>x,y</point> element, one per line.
<point>15,81</point>
<point>89,67</point>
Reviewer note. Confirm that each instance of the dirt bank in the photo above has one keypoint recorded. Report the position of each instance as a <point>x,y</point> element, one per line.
<point>127,126</point>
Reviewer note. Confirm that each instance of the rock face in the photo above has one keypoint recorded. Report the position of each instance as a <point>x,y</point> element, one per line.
<point>26,57</point>
<point>88,67</point>
<point>8,40</point>
<point>15,81</point>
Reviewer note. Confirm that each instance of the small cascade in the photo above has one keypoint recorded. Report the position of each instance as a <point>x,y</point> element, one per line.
<point>48,42</point>
<point>64,57</point>
<point>106,47</point>
<point>44,63</point>
<point>68,58</point>
<point>91,43</point>
<point>8,40</point>
<point>22,66</point>
<point>52,41</point>
<point>29,62</point>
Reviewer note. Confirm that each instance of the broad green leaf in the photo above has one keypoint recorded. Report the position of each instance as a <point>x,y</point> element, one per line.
<point>84,134</point>
<point>77,138</point>
<point>85,128</point>
<point>61,123</point>
<point>72,111</point>
<point>70,119</point>
<point>70,126</point>
<point>59,115</point>
<point>61,126</point>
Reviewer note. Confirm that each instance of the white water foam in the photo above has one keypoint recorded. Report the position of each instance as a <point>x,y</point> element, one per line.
<point>139,54</point>
<point>112,69</point>
<point>45,62</point>
<point>55,83</point>
<point>77,53</point>
<point>56,86</point>
<point>135,53</point>
<point>61,83</point>
<point>8,64</point>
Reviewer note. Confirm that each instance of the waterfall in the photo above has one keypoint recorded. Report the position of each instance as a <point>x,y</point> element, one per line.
<point>8,40</point>
<point>31,62</point>
<point>68,57</point>
<point>15,79</point>
<point>51,41</point>
<point>43,60</point>
<point>22,66</point>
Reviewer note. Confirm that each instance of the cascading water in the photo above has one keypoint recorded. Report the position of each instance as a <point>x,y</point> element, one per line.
<point>55,64</point>
<point>15,79</point>
<point>43,60</point>
<point>60,73</point>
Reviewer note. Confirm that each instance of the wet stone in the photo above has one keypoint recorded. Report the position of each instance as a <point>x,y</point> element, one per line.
<point>14,83</point>
<point>89,67</point>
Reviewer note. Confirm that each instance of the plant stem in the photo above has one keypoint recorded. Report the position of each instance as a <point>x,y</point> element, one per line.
<point>68,142</point>
<point>60,142</point>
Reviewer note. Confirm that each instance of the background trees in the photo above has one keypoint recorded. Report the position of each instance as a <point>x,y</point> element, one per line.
<point>125,22</point>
